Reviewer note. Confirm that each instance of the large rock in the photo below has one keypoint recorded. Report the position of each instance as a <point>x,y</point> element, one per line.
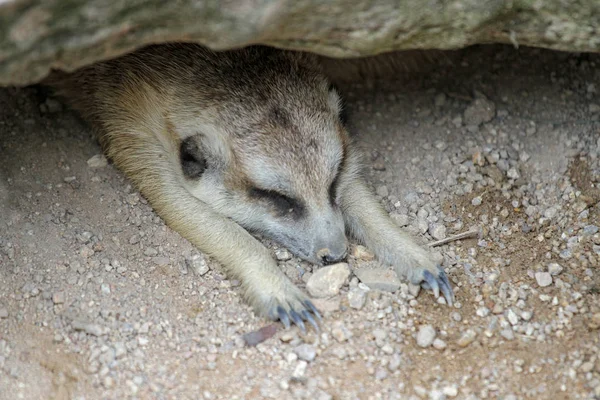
<point>37,35</point>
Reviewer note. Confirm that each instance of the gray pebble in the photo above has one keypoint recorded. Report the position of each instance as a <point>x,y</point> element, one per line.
<point>328,281</point>
<point>3,313</point>
<point>512,317</point>
<point>378,279</point>
<point>466,338</point>
<point>400,219</point>
<point>554,269</point>
<point>92,329</point>
<point>58,298</point>
<point>357,298</point>
<point>425,336</point>
<point>197,264</point>
<point>437,231</point>
<point>439,344</point>
<point>507,334</point>
<point>97,161</point>
<point>283,255</point>
<point>306,352</point>
<point>543,278</point>
<point>383,191</point>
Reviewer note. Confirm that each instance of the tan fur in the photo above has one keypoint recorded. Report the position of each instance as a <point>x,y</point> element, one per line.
<point>265,126</point>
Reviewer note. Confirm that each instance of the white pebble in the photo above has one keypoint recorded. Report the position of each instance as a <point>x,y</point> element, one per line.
<point>425,336</point>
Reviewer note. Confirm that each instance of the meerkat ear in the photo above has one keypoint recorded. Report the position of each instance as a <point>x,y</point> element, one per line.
<point>337,104</point>
<point>193,162</point>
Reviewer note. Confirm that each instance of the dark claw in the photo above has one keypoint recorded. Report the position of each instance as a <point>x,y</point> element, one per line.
<point>283,317</point>
<point>297,320</point>
<point>432,282</point>
<point>445,287</point>
<point>308,304</point>
<point>306,316</point>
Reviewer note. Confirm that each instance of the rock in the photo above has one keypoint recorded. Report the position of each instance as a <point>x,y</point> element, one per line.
<point>507,334</point>
<point>425,336</point>
<point>300,370</point>
<point>543,279</point>
<point>283,255</point>
<point>382,191</point>
<point>413,289</point>
<point>400,219</point>
<point>479,111</point>
<point>89,328</point>
<point>97,161</point>
<point>378,279</point>
<point>3,313</point>
<point>47,35</point>
<point>466,338</point>
<point>554,269</point>
<point>197,264</point>
<point>328,281</point>
<point>361,253</point>
<point>306,352</point>
<point>437,231</point>
<point>512,317</point>
<point>357,298</point>
<point>439,344</point>
<point>58,298</point>
<point>327,305</point>
<point>594,322</point>
<point>259,336</point>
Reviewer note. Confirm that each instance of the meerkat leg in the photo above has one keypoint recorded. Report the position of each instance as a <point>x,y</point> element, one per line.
<point>264,285</point>
<point>368,222</point>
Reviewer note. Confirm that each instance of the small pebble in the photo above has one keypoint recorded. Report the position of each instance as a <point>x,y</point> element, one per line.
<point>357,298</point>
<point>306,352</point>
<point>543,278</point>
<point>97,161</point>
<point>382,279</point>
<point>554,269</point>
<point>327,281</point>
<point>437,231</point>
<point>426,336</point>
<point>466,338</point>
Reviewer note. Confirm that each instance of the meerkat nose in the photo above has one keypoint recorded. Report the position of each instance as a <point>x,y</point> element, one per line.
<point>329,257</point>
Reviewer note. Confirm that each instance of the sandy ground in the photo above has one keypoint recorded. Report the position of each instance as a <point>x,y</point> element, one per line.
<point>100,300</point>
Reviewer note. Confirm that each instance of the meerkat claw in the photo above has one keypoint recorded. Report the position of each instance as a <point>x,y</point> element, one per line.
<point>297,320</point>
<point>308,304</point>
<point>445,286</point>
<point>440,283</point>
<point>307,317</point>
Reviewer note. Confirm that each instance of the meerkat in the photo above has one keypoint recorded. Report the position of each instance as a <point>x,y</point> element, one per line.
<point>231,143</point>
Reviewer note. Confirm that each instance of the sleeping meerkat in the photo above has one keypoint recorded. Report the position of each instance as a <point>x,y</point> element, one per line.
<point>226,143</point>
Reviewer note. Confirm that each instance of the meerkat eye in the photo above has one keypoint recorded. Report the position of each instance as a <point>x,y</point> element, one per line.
<point>284,205</point>
<point>192,161</point>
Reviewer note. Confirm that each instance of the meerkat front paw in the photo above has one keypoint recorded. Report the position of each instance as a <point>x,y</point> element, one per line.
<point>422,270</point>
<point>285,303</point>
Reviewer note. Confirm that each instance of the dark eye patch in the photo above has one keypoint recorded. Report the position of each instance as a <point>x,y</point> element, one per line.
<point>284,205</point>
<point>192,161</point>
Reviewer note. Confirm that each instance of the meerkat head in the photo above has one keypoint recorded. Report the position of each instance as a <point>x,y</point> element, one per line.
<point>271,155</point>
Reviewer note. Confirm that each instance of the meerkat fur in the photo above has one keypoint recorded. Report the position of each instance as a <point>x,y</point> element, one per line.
<point>227,144</point>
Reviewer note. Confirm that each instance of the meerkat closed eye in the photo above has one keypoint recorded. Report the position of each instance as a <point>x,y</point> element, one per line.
<point>227,143</point>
